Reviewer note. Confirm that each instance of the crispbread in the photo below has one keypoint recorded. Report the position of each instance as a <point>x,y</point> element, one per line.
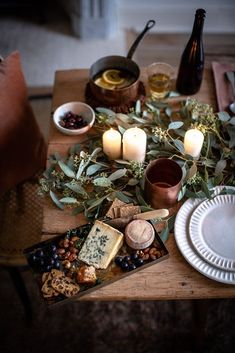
<point>116,203</point>
<point>129,211</point>
<point>47,277</point>
<point>65,286</point>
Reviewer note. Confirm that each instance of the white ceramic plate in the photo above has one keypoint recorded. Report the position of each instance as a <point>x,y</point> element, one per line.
<point>212,231</point>
<point>185,246</point>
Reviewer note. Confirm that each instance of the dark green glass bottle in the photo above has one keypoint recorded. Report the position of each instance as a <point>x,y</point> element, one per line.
<point>191,67</point>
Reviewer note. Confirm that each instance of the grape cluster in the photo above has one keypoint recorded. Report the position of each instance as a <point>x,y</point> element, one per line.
<point>72,121</point>
<point>45,258</point>
<point>129,262</point>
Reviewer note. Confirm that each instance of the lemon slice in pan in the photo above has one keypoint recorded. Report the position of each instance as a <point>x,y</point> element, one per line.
<point>102,83</point>
<point>113,77</point>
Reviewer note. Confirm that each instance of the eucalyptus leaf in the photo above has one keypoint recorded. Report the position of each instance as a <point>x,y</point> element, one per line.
<point>117,174</point>
<point>77,210</point>
<point>81,168</point>
<point>182,193</point>
<point>57,156</point>
<point>139,120</point>
<point>93,203</point>
<point>133,182</point>
<point>122,197</point>
<point>140,198</point>
<point>92,169</point>
<point>102,182</point>
<point>121,129</point>
<point>232,121</point>
<point>95,153</point>
<point>49,170</point>
<point>192,171</point>
<point>78,189</point>
<point>110,113</point>
<point>70,163</point>
<point>173,94</point>
<point>146,208</point>
<point>179,145</point>
<point>68,200</point>
<point>231,132</point>
<point>138,107</point>
<point>67,171</point>
<point>175,125</point>
<point>220,166</point>
<point>209,163</point>
<point>123,117</point>
<point>206,190</point>
<point>56,200</point>
<point>223,116</point>
<point>164,235</point>
<point>122,161</point>
<point>168,111</point>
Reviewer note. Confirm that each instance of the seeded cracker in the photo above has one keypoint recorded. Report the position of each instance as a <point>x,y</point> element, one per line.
<point>65,286</point>
<point>116,203</point>
<point>129,211</point>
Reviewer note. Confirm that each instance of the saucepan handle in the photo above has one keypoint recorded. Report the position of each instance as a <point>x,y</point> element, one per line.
<point>132,49</point>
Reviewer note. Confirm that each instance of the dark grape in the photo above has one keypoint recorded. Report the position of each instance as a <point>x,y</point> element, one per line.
<point>118,260</point>
<point>53,248</point>
<point>39,253</point>
<point>55,256</point>
<point>124,265</point>
<point>134,256</point>
<point>139,262</point>
<point>127,258</point>
<point>131,267</point>
<point>57,265</point>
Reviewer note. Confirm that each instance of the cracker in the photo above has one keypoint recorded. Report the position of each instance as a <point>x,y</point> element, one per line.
<point>129,211</point>
<point>47,277</point>
<point>116,203</point>
<point>65,286</point>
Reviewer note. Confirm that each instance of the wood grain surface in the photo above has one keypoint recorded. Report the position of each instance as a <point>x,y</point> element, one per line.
<point>172,278</point>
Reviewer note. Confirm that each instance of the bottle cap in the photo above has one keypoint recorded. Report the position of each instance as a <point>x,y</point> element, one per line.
<point>201,12</point>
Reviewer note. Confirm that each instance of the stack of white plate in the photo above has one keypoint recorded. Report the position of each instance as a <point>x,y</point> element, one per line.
<point>205,235</point>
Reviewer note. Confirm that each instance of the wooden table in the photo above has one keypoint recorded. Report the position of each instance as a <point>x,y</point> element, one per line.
<point>173,278</point>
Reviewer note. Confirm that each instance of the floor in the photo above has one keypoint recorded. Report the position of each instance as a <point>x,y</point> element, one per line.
<point>107,327</point>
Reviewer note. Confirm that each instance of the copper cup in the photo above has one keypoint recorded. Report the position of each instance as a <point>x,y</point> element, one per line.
<point>162,183</point>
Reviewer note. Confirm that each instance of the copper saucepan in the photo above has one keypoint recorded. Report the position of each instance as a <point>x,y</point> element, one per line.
<point>119,95</point>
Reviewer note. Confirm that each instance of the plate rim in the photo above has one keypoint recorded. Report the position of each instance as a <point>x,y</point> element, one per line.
<point>208,254</point>
<point>188,252</point>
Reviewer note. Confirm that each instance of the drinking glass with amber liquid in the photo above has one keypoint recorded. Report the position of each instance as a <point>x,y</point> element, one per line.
<point>159,79</point>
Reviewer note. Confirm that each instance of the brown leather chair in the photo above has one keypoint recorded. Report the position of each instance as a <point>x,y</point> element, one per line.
<point>22,157</point>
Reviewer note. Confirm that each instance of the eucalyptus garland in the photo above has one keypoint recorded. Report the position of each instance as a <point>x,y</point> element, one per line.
<point>86,180</point>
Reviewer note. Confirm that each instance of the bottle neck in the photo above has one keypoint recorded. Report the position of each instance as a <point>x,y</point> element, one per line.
<point>198,24</point>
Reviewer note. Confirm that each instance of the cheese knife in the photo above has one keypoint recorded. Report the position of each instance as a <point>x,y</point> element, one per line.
<point>123,221</point>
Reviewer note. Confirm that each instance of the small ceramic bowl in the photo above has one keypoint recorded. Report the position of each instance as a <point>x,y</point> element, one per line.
<point>78,108</point>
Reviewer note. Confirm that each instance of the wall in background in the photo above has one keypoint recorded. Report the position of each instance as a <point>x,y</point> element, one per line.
<point>176,15</point>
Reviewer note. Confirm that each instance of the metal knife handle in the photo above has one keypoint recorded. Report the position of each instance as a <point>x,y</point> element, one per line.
<point>162,213</point>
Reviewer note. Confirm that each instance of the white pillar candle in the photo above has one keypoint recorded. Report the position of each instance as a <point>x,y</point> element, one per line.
<point>193,141</point>
<point>134,144</point>
<point>112,143</point>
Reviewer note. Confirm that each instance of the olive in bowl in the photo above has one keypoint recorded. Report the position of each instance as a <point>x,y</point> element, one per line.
<point>74,118</point>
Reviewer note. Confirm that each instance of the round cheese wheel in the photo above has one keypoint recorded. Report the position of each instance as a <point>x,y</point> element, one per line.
<point>139,234</point>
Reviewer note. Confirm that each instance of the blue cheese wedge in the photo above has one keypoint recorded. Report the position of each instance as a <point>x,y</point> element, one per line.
<point>101,245</point>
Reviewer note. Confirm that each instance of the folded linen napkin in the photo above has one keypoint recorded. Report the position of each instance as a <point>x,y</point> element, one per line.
<point>223,88</point>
